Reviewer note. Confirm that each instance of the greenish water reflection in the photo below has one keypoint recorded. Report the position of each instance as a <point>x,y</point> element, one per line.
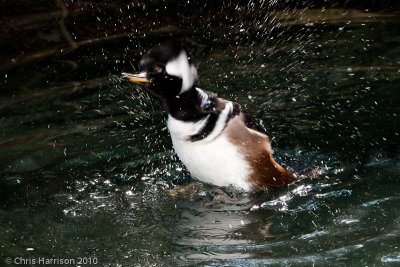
<point>86,167</point>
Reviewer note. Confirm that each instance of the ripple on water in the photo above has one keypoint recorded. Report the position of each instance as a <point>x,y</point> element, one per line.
<point>391,258</point>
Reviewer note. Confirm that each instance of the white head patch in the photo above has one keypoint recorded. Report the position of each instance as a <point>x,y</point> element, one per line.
<point>181,68</point>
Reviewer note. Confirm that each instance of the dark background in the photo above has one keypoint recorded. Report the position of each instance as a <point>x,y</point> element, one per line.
<point>106,35</point>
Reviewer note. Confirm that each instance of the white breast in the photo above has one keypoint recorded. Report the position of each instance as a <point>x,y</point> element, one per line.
<point>213,159</point>
<point>217,162</point>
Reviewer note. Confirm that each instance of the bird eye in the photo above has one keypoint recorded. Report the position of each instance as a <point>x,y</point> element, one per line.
<point>158,69</point>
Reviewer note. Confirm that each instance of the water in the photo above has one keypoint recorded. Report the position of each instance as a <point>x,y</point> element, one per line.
<point>86,166</point>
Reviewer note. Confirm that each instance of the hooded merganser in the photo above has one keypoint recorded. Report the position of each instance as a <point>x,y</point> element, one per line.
<point>218,142</point>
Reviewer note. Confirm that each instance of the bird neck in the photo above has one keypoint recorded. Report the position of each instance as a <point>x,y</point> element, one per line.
<point>185,106</point>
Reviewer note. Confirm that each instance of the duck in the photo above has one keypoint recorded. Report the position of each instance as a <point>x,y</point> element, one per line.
<point>216,139</point>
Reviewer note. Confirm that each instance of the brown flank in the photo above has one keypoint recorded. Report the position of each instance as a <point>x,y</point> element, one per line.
<point>266,172</point>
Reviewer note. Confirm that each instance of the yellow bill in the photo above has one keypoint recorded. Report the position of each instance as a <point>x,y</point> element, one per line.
<point>136,78</point>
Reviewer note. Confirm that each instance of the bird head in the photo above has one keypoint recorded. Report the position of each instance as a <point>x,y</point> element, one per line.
<point>166,71</point>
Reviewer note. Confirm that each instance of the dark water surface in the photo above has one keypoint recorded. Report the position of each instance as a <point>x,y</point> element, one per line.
<point>86,166</point>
